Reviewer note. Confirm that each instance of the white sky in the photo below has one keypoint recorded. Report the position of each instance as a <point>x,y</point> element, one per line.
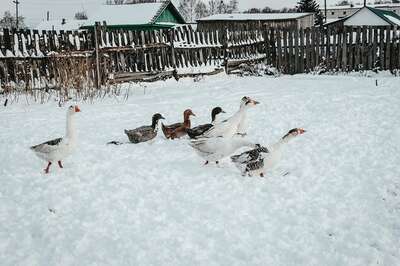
<point>35,10</point>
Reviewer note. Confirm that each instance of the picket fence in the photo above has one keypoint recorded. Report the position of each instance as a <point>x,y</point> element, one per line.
<point>33,60</point>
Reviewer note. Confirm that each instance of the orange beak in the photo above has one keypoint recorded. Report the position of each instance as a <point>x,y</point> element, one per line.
<point>302,131</point>
<point>77,110</point>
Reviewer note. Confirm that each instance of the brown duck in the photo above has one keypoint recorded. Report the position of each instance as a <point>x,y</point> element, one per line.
<point>178,130</point>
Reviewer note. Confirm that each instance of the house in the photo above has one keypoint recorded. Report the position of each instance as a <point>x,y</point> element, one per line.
<point>256,21</point>
<point>368,16</point>
<point>138,16</point>
<point>338,12</point>
<point>60,24</point>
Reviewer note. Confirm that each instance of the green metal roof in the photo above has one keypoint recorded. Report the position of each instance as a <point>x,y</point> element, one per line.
<point>163,17</point>
<point>386,15</point>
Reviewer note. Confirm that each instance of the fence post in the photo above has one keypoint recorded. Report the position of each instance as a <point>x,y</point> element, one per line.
<point>172,39</point>
<point>96,43</point>
<point>225,50</point>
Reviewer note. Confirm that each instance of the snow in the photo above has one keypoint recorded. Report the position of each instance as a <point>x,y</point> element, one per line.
<point>155,204</point>
<point>125,14</point>
<point>260,16</point>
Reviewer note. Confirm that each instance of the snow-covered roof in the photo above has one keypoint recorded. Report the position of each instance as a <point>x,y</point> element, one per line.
<point>125,14</point>
<point>258,16</point>
<point>60,24</point>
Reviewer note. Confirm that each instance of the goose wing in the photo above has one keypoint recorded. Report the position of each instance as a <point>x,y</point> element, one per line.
<point>139,131</point>
<point>198,131</point>
<point>250,156</point>
<point>48,146</point>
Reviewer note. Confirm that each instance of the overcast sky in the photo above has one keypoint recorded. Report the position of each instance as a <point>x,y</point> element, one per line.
<point>35,10</point>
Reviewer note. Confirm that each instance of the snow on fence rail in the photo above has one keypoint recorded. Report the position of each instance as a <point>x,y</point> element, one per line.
<point>94,58</point>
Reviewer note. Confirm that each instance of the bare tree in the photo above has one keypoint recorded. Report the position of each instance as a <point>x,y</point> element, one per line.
<point>213,7</point>
<point>233,6</point>
<point>9,21</point>
<point>187,9</point>
<point>201,10</point>
<point>81,15</point>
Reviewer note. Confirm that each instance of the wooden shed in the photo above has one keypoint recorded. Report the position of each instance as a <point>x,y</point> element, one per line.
<point>255,21</point>
<point>141,16</point>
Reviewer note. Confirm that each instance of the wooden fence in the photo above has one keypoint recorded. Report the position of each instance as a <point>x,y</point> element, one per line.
<point>31,60</point>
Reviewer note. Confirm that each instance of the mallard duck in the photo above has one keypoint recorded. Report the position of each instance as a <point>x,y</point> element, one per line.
<point>254,162</point>
<point>235,125</point>
<point>215,149</point>
<point>178,130</point>
<point>57,149</point>
<point>144,133</point>
<point>199,130</point>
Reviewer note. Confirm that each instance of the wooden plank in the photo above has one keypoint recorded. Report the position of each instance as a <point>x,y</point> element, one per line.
<point>296,51</point>
<point>369,48</point>
<point>290,54</point>
<point>382,48</point>
<point>301,63</point>
<point>279,48</point>
<point>328,46</point>
<point>387,47</point>
<point>307,50</point>
<point>374,47</point>
<point>344,50</point>
<point>285,46</point>
<point>312,48</point>
<point>364,49</point>
<point>357,60</point>
<point>317,46</point>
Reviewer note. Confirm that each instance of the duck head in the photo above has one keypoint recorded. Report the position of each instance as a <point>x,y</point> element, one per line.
<point>248,102</point>
<point>73,109</point>
<point>216,111</point>
<point>294,133</point>
<point>187,114</point>
<point>156,117</point>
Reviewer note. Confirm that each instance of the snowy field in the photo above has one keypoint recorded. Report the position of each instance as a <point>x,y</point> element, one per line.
<point>156,204</point>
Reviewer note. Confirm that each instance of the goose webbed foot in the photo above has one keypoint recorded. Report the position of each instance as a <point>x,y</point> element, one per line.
<point>60,164</point>
<point>206,163</point>
<point>261,174</point>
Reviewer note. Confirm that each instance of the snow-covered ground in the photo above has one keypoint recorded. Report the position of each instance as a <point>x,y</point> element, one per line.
<point>156,204</point>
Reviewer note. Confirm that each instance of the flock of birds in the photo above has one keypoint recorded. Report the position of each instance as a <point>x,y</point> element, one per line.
<point>213,142</point>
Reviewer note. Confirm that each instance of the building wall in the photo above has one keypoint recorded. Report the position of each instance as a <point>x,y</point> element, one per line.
<point>304,22</point>
<point>167,16</point>
<point>335,13</point>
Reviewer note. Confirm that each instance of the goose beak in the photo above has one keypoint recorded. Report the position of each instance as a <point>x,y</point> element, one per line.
<point>162,117</point>
<point>223,112</point>
<point>77,110</point>
<point>302,131</point>
<point>255,102</point>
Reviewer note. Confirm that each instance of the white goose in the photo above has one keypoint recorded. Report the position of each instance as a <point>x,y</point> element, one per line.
<point>255,162</point>
<point>215,149</point>
<point>57,149</point>
<point>234,125</point>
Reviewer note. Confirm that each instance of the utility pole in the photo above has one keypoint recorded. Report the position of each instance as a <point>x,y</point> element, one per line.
<point>16,2</point>
<point>325,11</point>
